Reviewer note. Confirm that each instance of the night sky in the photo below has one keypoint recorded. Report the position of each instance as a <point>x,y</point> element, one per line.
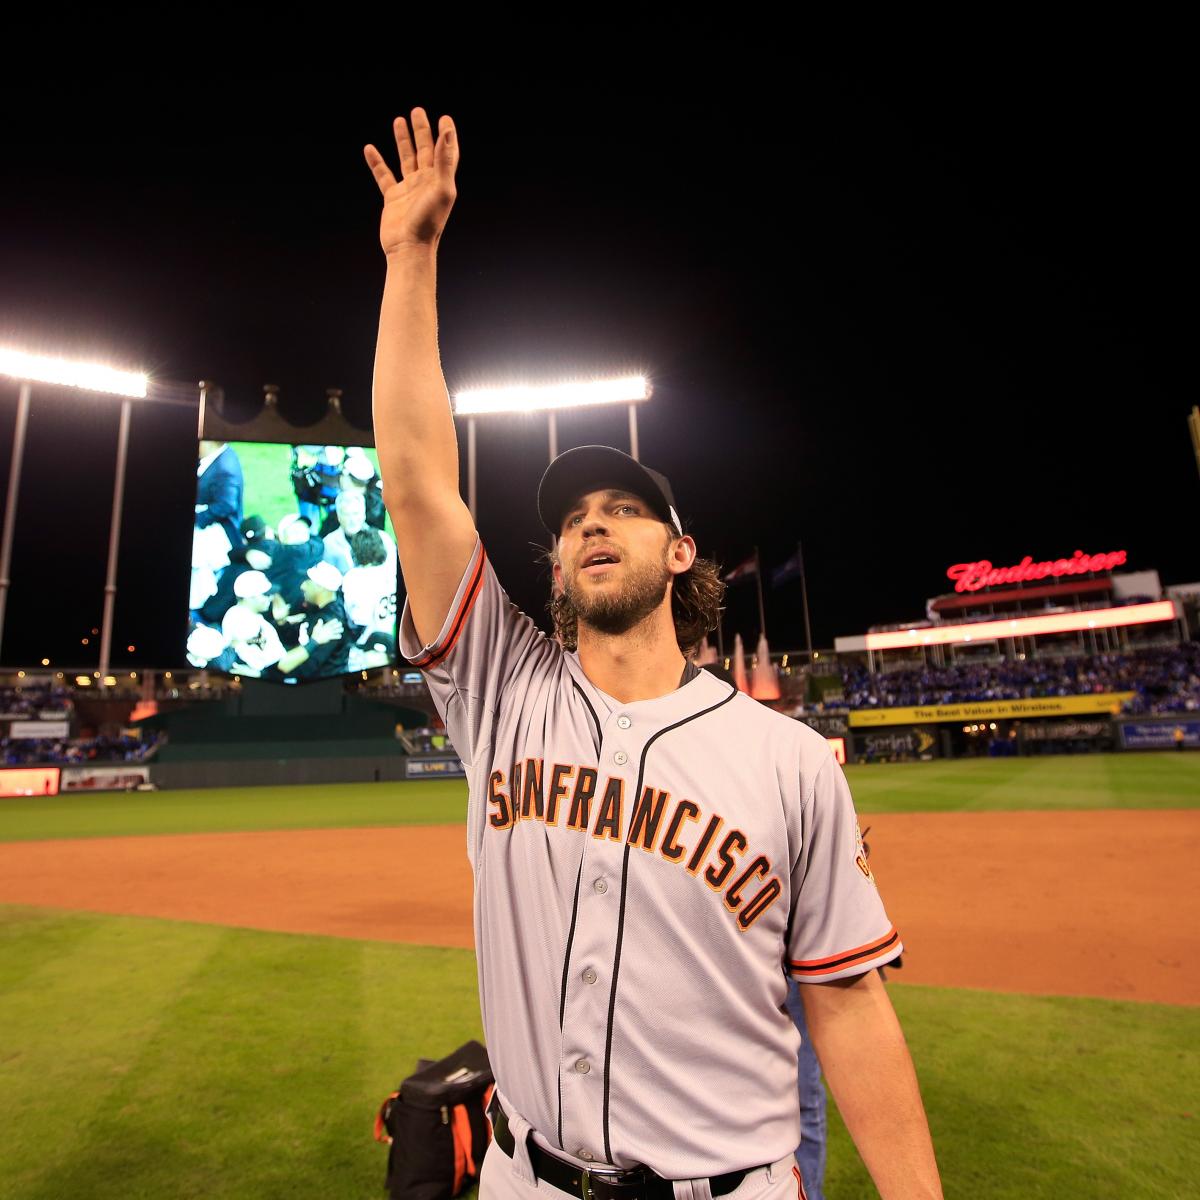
<point>913,319</point>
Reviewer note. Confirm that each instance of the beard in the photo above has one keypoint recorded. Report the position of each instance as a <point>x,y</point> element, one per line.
<point>615,611</point>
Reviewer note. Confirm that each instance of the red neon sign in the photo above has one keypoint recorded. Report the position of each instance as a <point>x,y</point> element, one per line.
<point>971,577</point>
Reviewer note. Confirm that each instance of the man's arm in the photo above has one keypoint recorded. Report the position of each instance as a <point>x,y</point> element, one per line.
<point>323,633</point>
<point>864,1056</point>
<point>223,500</point>
<point>414,427</point>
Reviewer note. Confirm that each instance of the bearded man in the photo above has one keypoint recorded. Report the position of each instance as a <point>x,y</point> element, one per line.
<point>653,852</point>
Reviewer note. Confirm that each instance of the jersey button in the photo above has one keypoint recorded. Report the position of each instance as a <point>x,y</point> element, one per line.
<point>623,722</point>
<point>583,1066</point>
<point>601,885</point>
<point>586,1155</point>
<point>589,976</point>
<point>620,758</point>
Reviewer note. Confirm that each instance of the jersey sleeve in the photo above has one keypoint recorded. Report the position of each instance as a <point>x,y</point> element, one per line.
<point>485,643</point>
<point>837,927</point>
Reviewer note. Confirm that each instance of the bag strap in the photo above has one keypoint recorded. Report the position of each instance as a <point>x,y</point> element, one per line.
<point>464,1139</point>
<point>381,1134</point>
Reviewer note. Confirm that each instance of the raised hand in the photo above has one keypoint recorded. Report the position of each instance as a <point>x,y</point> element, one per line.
<point>416,206</point>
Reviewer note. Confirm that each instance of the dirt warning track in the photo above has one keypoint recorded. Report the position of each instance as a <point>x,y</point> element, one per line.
<point>1081,903</point>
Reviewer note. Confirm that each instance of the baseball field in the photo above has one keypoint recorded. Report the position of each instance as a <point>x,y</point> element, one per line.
<point>209,993</point>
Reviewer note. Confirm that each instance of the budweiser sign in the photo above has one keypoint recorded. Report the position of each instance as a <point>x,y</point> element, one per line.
<point>971,577</point>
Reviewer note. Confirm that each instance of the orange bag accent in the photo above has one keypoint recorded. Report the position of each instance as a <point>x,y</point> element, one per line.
<point>460,1129</point>
<point>380,1135</point>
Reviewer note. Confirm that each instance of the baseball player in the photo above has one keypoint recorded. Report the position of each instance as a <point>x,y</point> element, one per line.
<point>653,852</point>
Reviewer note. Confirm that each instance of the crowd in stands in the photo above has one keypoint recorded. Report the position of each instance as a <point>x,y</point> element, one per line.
<point>70,751</point>
<point>1165,680</point>
<point>38,699</point>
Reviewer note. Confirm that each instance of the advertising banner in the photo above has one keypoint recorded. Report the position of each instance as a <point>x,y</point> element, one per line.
<point>897,743</point>
<point>40,729</point>
<point>1045,731</point>
<point>992,710</point>
<point>1160,735</point>
<point>831,725</point>
<point>119,777</point>
<point>29,781</point>
<point>424,768</point>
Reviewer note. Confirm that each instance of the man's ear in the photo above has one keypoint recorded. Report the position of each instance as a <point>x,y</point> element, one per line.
<point>683,555</point>
<point>557,571</point>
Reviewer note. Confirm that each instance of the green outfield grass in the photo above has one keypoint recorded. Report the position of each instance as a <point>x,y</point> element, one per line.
<point>151,1058</point>
<point>1151,780</point>
<point>214,810</point>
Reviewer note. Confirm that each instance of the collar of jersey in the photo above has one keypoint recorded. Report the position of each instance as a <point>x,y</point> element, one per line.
<point>706,689</point>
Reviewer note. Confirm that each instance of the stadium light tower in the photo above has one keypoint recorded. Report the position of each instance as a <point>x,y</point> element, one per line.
<point>28,369</point>
<point>630,390</point>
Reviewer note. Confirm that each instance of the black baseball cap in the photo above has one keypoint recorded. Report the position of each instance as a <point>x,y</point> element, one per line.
<point>585,469</point>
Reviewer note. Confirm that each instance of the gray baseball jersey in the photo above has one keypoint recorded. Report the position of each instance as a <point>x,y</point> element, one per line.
<point>645,874</point>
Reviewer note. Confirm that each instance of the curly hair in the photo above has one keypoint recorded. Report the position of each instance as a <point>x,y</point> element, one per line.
<point>696,597</point>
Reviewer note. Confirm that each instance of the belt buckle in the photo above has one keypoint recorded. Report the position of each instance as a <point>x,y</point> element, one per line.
<point>628,1189</point>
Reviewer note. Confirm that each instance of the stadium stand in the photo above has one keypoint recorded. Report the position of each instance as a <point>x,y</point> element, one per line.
<point>1166,680</point>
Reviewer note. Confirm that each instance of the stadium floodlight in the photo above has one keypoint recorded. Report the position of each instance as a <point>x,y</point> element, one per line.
<point>28,369</point>
<point>550,398</point>
<point>526,398</point>
<point>87,376</point>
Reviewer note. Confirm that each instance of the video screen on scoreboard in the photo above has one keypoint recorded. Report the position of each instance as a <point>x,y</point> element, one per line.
<point>294,566</point>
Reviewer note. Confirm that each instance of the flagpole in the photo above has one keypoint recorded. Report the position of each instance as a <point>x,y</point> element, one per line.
<point>804,592</point>
<point>762,620</point>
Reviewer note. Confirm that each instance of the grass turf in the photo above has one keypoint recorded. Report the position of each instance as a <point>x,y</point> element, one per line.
<point>213,810</point>
<point>1151,779</point>
<point>1146,780</point>
<point>150,1058</point>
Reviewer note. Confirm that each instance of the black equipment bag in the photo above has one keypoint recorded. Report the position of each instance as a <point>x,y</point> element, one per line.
<point>437,1125</point>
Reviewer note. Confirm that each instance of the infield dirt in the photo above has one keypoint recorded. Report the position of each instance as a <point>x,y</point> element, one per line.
<point>1095,903</point>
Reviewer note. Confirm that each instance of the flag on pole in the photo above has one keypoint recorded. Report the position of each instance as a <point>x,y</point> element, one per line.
<point>743,570</point>
<point>791,569</point>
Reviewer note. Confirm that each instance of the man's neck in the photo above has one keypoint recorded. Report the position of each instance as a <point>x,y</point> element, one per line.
<point>641,664</point>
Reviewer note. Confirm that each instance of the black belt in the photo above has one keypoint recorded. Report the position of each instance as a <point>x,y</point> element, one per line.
<point>640,1184</point>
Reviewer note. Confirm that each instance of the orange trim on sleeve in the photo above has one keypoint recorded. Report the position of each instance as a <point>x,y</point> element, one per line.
<point>846,958</point>
<point>435,656</point>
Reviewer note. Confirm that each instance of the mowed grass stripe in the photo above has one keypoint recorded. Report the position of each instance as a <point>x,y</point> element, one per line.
<point>1033,1097</point>
<point>72,1026</point>
<point>1144,780</point>
<point>1167,779</point>
<point>233,810</point>
<point>152,1059</point>
<point>249,1065</point>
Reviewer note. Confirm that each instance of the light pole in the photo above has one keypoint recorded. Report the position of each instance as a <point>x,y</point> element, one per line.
<point>14,486</point>
<point>549,398</point>
<point>88,377</point>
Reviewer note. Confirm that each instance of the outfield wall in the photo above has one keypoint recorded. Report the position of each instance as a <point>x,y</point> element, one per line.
<point>251,772</point>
